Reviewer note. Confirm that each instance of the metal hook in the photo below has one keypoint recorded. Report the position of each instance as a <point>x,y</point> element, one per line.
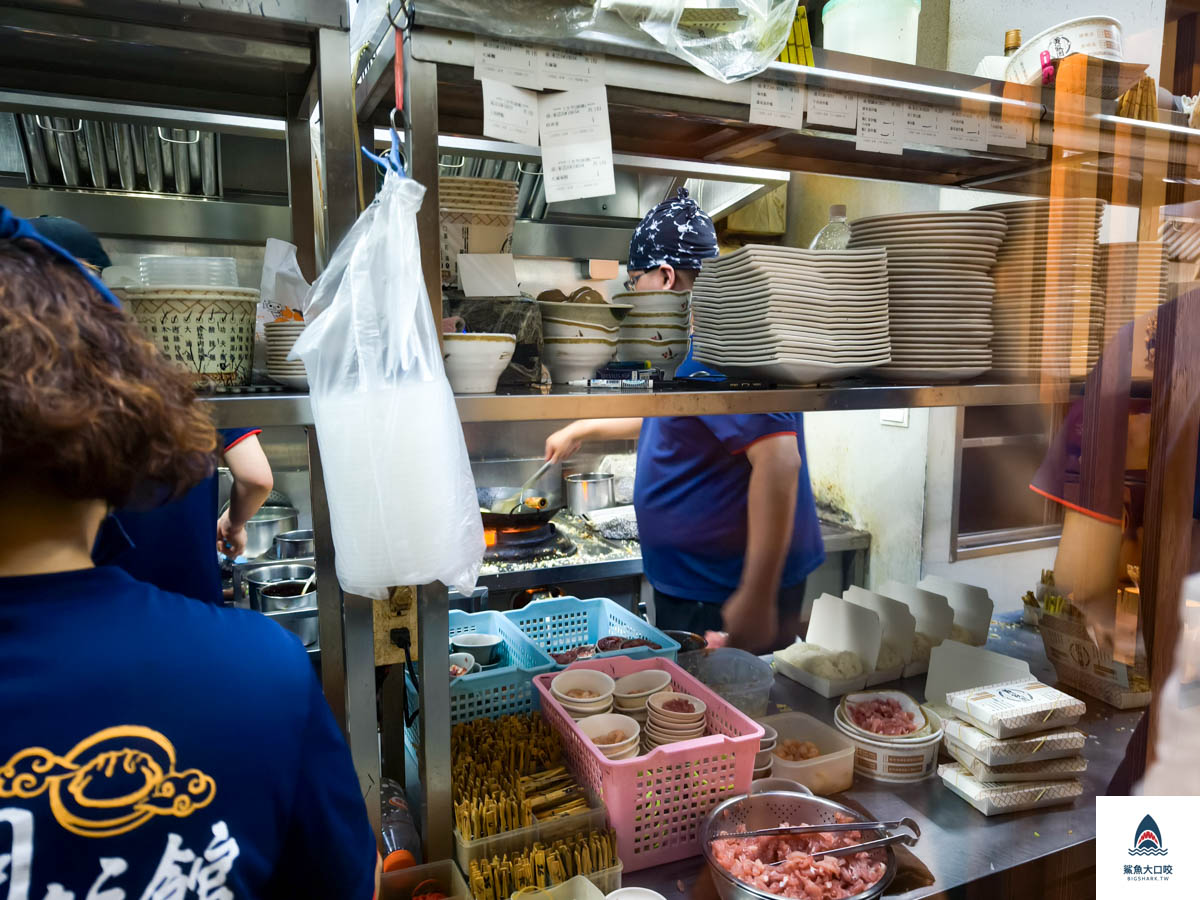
<point>403,9</point>
<point>392,120</point>
<point>442,165</point>
<point>185,131</point>
<point>521,169</point>
<point>78,128</point>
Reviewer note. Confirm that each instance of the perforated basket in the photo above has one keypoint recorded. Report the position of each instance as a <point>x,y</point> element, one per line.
<point>503,691</point>
<point>564,622</point>
<point>657,802</point>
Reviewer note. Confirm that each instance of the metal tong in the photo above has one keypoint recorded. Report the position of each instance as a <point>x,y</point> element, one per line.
<point>907,839</point>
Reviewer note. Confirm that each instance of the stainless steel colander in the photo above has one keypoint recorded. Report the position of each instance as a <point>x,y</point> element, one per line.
<point>768,810</point>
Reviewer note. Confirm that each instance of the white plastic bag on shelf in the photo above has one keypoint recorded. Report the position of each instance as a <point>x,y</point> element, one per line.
<point>401,496</point>
<point>729,42</point>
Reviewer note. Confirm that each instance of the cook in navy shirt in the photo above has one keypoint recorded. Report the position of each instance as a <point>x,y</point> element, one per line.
<point>725,511</point>
<point>153,746</point>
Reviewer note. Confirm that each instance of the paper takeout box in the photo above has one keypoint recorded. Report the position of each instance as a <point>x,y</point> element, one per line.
<point>898,624</point>
<point>838,625</point>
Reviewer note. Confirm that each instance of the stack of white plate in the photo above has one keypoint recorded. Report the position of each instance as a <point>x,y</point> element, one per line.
<point>1134,277</point>
<point>939,290</point>
<point>1049,304</point>
<point>1181,239</point>
<point>793,316</point>
<point>478,195</point>
<point>280,338</point>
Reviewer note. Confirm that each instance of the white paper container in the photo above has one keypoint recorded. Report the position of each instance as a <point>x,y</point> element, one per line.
<point>955,667</point>
<point>971,605</point>
<point>1011,708</point>
<point>829,773</point>
<point>1058,769</point>
<point>823,686</point>
<point>837,626</point>
<point>1056,744</point>
<point>931,612</point>
<point>992,799</point>
<point>898,625</point>
<point>894,761</point>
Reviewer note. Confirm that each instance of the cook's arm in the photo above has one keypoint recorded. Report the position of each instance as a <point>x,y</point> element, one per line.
<point>252,484</point>
<point>566,442</point>
<point>750,614</point>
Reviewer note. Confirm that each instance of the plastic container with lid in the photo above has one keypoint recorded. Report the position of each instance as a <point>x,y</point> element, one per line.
<point>884,29</point>
<point>739,677</point>
<point>829,773</point>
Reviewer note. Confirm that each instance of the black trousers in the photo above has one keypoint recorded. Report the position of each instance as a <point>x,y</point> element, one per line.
<point>678,614</point>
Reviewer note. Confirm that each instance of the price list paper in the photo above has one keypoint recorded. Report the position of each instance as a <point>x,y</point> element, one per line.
<point>838,109</point>
<point>920,123</point>
<point>508,61</point>
<point>509,113</point>
<point>565,69</point>
<point>879,126</point>
<point>965,130</point>
<point>776,103</point>
<point>576,144</point>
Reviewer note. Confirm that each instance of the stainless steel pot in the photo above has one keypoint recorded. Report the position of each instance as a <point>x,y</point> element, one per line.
<point>304,627</point>
<point>587,491</point>
<point>265,524</point>
<point>257,578</point>
<point>295,544</point>
<point>288,595</point>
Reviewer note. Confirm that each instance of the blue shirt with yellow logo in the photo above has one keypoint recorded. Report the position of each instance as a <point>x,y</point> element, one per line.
<point>154,746</point>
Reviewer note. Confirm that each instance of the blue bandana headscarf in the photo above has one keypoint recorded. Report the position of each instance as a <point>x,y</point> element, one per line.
<point>14,228</point>
<point>677,233</point>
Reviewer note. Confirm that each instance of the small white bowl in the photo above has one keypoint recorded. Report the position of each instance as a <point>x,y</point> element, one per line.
<point>466,660</point>
<point>574,359</point>
<point>593,726</point>
<point>634,893</point>
<point>591,680</point>
<point>760,774</point>
<point>484,647</point>
<point>474,362</point>
<point>665,355</point>
<point>762,759</point>
<point>657,700</point>
<point>765,785</point>
<point>561,328</point>
<point>605,314</point>
<point>656,301</point>
<point>640,685</point>
<point>588,707</point>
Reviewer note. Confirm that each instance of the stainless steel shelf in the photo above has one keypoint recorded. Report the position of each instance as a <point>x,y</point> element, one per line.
<point>233,411</point>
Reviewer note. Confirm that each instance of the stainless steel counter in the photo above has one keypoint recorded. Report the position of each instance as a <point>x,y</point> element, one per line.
<point>1001,856</point>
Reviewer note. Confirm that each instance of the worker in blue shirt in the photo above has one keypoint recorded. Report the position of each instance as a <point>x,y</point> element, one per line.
<point>152,745</point>
<point>725,510</point>
<point>170,545</point>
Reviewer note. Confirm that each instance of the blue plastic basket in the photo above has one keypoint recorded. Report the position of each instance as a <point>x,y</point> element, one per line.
<point>564,622</point>
<point>503,691</point>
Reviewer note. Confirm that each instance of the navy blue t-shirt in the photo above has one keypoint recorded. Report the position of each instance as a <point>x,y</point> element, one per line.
<point>175,545</point>
<point>157,747</point>
<point>690,496</point>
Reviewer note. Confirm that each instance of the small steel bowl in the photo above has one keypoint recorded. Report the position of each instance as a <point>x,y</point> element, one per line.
<point>769,810</point>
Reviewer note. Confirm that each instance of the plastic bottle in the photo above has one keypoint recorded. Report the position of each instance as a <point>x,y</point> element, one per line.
<point>400,838</point>
<point>835,235</point>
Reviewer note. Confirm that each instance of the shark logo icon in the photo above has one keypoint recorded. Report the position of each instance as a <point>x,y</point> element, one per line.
<point>1148,840</point>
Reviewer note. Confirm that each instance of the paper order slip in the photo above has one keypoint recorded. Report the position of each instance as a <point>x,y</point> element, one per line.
<point>577,159</point>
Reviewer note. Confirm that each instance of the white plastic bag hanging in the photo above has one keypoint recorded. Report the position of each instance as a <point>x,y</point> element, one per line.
<point>401,495</point>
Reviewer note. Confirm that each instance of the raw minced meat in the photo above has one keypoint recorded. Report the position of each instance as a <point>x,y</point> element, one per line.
<point>799,875</point>
<point>612,642</point>
<point>883,716</point>
<point>679,705</point>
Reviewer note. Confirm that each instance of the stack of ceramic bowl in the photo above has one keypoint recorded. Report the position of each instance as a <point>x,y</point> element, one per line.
<point>615,735</point>
<point>1048,310</point>
<point>477,216</point>
<point>656,331</point>
<point>579,338</point>
<point>583,692</point>
<point>762,759</point>
<point>1134,277</point>
<point>792,316</point>
<point>474,362</point>
<point>939,290</point>
<point>667,726</point>
<point>895,758</point>
<point>1181,239</point>
<point>280,338</point>
<point>632,691</point>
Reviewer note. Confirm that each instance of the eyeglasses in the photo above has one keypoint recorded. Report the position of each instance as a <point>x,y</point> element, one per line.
<point>631,284</point>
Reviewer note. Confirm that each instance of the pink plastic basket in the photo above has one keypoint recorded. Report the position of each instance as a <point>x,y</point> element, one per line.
<point>657,802</point>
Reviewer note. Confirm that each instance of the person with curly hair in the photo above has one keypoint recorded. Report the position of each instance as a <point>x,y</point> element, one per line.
<point>153,745</point>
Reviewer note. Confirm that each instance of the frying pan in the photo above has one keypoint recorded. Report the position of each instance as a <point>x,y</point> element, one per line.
<point>523,518</point>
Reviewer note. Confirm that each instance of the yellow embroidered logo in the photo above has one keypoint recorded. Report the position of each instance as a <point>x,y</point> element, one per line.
<point>110,783</point>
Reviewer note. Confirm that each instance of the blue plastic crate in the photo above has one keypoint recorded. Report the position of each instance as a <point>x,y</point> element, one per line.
<point>564,622</point>
<point>503,691</point>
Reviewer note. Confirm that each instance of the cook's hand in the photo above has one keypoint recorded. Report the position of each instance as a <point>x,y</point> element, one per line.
<point>230,541</point>
<point>563,444</point>
<point>751,619</point>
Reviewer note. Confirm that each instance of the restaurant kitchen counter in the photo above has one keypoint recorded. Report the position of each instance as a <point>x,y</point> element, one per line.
<point>1040,853</point>
<point>598,558</point>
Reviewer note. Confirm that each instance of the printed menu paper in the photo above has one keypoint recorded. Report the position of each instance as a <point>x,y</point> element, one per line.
<point>965,130</point>
<point>576,144</point>
<point>920,124</point>
<point>879,126</point>
<point>777,103</point>
<point>508,61</point>
<point>509,113</point>
<point>564,69</point>
<point>1010,132</point>
<point>836,108</point>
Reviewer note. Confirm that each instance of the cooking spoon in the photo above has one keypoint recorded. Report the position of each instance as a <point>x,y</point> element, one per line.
<point>512,503</point>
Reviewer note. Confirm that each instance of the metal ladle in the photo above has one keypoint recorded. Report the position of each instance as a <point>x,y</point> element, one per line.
<point>512,503</point>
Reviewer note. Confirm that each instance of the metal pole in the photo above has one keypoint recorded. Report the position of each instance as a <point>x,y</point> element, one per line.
<point>421,146</point>
<point>336,95</point>
<point>433,631</point>
<point>300,193</point>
